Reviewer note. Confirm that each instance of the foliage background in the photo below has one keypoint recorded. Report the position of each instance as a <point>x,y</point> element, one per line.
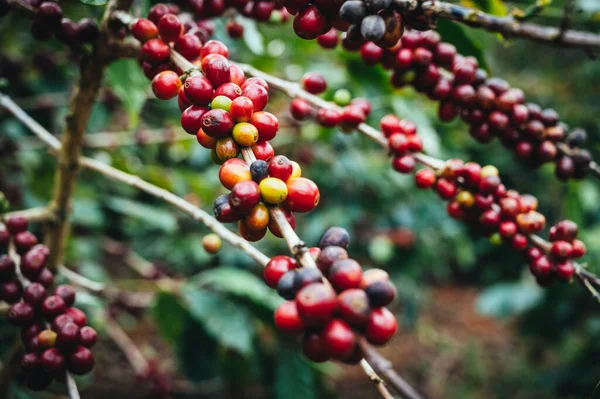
<point>474,324</point>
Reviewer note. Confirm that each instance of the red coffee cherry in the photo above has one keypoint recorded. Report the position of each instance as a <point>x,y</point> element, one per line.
<point>381,327</point>
<point>30,332</point>
<point>158,11</point>
<point>404,164</point>
<point>166,85</point>
<point>425,178</point>
<point>235,30</point>
<point>188,46</point>
<point>244,196</point>
<point>263,151</point>
<point>233,171</point>
<point>248,233</point>
<point>4,234</point>
<point>345,274</point>
<point>316,303</point>
<point>7,268</point>
<point>310,23</point>
<point>561,249</point>
<point>541,266</point>
<point>241,109</point>
<point>53,306</point>
<point>217,123</point>
<point>314,348</point>
<point>24,241</point>
<point>77,315</point>
<point>353,306</point>
<point>34,294</point>
<point>579,249</point>
<point>303,195</point>
<point>81,361</point>
<point>372,276</point>
<point>68,336</point>
<point>67,293</point>
<point>267,125</point>
<point>565,270</point>
<point>170,28</point>
<point>314,83</point>
<point>155,51</point>
<point>258,95</point>
<point>214,47</point>
<point>53,360</point>
<point>191,119</point>
<point>280,167</point>
<point>255,81</point>
<point>329,40</point>
<point>87,336</point>
<point>46,278</point>
<point>277,267</point>
<point>31,361</point>
<point>445,188</point>
<point>21,314</point>
<point>327,117</point>
<point>339,339</point>
<point>287,318</point>
<point>11,291</point>
<point>229,90</point>
<point>143,29</point>
<point>329,255</point>
<point>300,109</point>
<point>216,70</point>
<point>198,90</point>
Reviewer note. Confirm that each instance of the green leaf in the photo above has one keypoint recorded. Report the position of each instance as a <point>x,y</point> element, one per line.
<point>197,352</point>
<point>125,77</point>
<point>241,284</point>
<point>169,315</point>
<point>152,215</point>
<point>224,320</point>
<point>509,299</point>
<point>94,2</point>
<point>457,35</point>
<point>252,37</point>
<point>294,377</point>
<point>494,7</point>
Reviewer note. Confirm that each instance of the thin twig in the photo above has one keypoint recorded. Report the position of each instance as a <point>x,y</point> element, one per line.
<point>40,214</point>
<point>134,356</point>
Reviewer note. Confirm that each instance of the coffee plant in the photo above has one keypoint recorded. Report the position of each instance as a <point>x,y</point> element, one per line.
<point>319,297</point>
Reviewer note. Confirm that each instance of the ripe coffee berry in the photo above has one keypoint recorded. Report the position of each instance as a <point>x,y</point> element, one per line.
<point>335,236</point>
<point>303,195</point>
<point>300,109</point>
<point>316,303</point>
<point>53,360</point>
<point>287,318</point>
<point>77,315</point>
<point>380,293</point>
<point>34,294</point>
<point>310,23</point>
<point>217,123</point>
<point>259,170</point>
<point>345,274</point>
<point>53,306</point>
<point>277,267</point>
<point>314,83</point>
<point>267,125</point>
<point>87,336</point>
<point>21,314</point>
<point>67,336</point>
<point>234,171</point>
<point>80,361</point>
<point>241,109</point>
<point>329,255</point>
<point>244,196</point>
<point>155,51</point>
<point>258,95</point>
<point>286,286</point>
<point>143,29</point>
<point>339,339</point>
<point>280,167</point>
<point>166,85</point>
<point>314,348</point>
<point>198,90</point>
<point>306,276</point>
<point>381,327</point>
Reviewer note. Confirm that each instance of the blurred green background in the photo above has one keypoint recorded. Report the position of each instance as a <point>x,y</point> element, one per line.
<point>474,323</point>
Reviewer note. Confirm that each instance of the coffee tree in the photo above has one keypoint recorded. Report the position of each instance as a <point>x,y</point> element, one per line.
<point>318,297</point>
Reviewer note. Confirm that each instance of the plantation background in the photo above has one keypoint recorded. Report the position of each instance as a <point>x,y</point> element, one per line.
<point>474,323</point>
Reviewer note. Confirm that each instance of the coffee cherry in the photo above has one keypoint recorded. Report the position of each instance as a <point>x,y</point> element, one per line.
<point>373,276</point>
<point>143,29</point>
<point>49,14</point>
<point>198,90</point>
<point>53,361</point>
<point>46,278</point>
<point>244,196</point>
<point>335,236</point>
<point>381,327</point>
<point>223,210</point>
<point>303,195</point>
<point>300,109</point>
<point>566,230</point>
<point>7,267</point>
<point>245,134</point>
<point>287,319</point>
<point>345,274</point>
<point>155,51</point>
<point>280,167</point>
<point>31,361</point>
<point>53,306</point>
<point>530,222</point>
<point>249,234</point>
<point>60,320</point>
<point>211,243</point>
<point>314,83</point>
<point>541,266</point>
<point>214,47</point>
<point>316,303</point>
<point>327,117</point>
<point>166,85</point>
<point>241,109</point>
<point>258,95</point>
<point>273,190</point>
<point>10,292</point>
<point>310,23</point>
<point>34,294</point>
<point>259,170</point>
<point>277,267</point>
<point>188,46</point>
<point>221,102</point>
<point>24,241</point>
<point>263,151</point>
<point>372,27</point>
<point>67,336</point>
<point>314,348</point>
<point>353,306</point>
<point>380,293</point>
<point>21,314</point>
<point>30,332</point>
<point>267,125</point>
<point>286,286</point>
<point>565,270</point>
<point>77,315</point>
<point>561,249</point>
<point>170,28</point>
<point>229,90</point>
<point>192,119</point>
<point>329,255</point>
<point>306,276</point>
<point>404,164</point>
<point>87,30</point>
<point>339,339</point>
<point>81,361</point>
<point>425,178</point>
<point>233,171</point>
<point>328,40</point>
<point>258,218</point>
<point>87,336</point>
<point>217,123</point>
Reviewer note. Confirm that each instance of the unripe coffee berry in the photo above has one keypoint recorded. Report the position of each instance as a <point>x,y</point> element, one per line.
<point>245,134</point>
<point>211,243</point>
<point>273,190</point>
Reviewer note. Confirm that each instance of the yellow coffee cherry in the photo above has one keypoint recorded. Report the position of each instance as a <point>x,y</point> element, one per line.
<point>245,134</point>
<point>211,243</point>
<point>465,199</point>
<point>489,170</point>
<point>273,190</point>
<point>296,170</point>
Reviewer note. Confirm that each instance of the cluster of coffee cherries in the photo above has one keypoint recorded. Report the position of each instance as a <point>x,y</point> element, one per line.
<point>489,105</point>
<point>564,248</point>
<point>334,305</point>
<point>48,21</point>
<point>54,332</point>
<point>224,110</point>
<point>372,20</point>
<point>347,118</point>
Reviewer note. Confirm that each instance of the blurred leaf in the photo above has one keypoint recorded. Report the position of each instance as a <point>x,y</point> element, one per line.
<point>125,77</point>
<point>87,213</point>
<point>94,2</point>
<point>252,37</point>
<point>154,216</point>
<point>169,315</point>
<point>197,352</point>
<point>294,378</point>
<point>494,7</point>
<point>227,322</point>
<point>509,299</point>
<point>589,6</point>
<point>241,284</point>
<point>457,35</point>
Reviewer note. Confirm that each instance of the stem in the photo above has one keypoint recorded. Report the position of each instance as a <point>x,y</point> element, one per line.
<point>508,26</point>
<point>41,214</point>
<point>135,357</point>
